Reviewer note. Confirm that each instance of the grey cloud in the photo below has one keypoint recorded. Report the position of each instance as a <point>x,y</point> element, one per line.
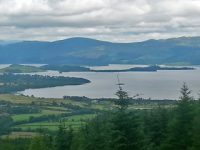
<point>114,20</point>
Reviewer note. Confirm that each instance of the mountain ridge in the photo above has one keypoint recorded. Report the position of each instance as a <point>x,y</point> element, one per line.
<point>87,51</point>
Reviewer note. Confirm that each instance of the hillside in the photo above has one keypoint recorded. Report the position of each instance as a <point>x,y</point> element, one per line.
<point>11,83</point>
<point>21,69</point>
<point>84,51</point>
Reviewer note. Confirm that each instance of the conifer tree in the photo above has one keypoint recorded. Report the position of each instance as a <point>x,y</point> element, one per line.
<point>155,128</point>
<point>64,137</point>
<point>179,137</point>
<point>37,143</point>
<point>126,133</point>
<point>123,99</point>
<point>196,127</point>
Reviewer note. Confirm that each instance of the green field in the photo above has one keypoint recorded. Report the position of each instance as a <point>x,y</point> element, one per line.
<point>22,117</point>
<point>73,121</point>
<point>50,112</point>
<point>71,113</point>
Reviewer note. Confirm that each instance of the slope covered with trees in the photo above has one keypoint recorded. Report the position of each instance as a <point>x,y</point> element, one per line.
<point>161,128</point>
<point>84,51</point>
<point>18,82</point>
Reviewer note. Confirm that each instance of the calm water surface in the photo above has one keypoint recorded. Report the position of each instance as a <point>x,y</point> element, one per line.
<point>155,85</point>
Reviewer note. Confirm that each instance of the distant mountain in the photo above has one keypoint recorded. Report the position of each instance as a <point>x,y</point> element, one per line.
<point>84,51</point>
<point>8,42</point>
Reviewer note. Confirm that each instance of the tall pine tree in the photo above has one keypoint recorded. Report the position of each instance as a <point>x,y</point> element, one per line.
<point>179,136</point>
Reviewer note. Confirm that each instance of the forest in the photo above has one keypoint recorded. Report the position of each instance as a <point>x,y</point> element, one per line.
<point>166,127</point>
<point>18,82</point>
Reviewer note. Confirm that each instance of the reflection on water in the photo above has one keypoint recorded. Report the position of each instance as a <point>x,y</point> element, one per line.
<point>155,85</point>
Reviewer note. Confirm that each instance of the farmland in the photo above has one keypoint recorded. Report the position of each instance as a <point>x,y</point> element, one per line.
<point>31,114</point>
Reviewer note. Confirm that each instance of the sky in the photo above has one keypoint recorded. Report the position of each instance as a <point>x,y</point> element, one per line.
<point>110,20</point>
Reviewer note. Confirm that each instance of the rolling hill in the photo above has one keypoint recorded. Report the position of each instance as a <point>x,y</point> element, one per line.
<point>85,51</point>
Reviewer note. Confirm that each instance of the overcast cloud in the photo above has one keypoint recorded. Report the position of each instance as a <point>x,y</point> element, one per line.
<point>113,20</point>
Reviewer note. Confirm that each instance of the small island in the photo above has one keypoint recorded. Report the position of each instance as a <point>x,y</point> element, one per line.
<point>15,68</point>
<point>65,68</point>
<point>152,68</point>
<point>72,68</point>
<point>10,83</point>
